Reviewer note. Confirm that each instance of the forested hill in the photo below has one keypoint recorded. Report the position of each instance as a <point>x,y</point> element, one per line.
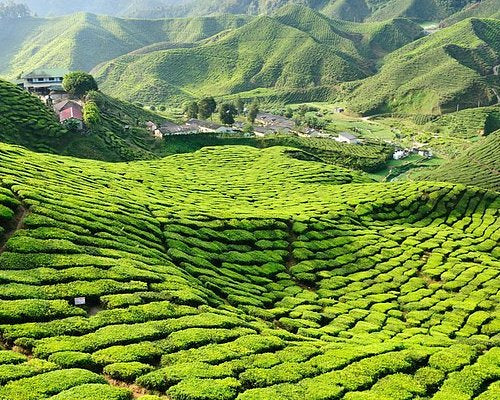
<point>453,68</point>
<point>295,49</point>
<point>354,10</point>
<point>82,40</point>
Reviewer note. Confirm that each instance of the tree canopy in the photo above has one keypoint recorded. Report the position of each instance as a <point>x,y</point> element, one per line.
<point>11,10</point>
<point>79,83</point>
<point>207,107</point>
<point>227,113</point>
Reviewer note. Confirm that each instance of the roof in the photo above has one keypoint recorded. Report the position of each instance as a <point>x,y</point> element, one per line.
<point>69,113</point>
<point>204,124</point>
<point>347,135</point>
<point>46,73</point>
<point>66,103</point>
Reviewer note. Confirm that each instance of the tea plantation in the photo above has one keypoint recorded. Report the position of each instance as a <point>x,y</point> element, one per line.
<point>239,273</point>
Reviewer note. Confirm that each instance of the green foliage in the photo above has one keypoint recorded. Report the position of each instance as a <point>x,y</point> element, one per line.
<point>191,109</point>
<point>242,273</point>
<point>227,112</point>
<point>206,107</point>
<point>79,83</point>
<point>91,114</point>
<point>93,392</point>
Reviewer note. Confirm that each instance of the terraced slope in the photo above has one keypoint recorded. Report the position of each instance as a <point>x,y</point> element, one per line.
<point>121,135</point>
<point>81,41</point>
<point>479,166</point>
<point>24,119</point>
<point>482,9</point>
<point>237,273</point>
<point>449,69</point>
<point>296,50</point>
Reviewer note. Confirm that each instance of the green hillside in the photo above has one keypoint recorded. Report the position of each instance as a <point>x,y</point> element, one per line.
<point>237,273</point>
<point>81,41</point>
<point>479,166</point>
<point>296,49</point>
<point>482,9</point>
<point>26,121</point>
<point>449,69</point>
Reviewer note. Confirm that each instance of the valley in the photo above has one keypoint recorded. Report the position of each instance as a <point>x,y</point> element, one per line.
<point>249,200</point>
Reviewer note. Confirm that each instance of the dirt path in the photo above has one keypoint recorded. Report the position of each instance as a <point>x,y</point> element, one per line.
<point>13,226</point>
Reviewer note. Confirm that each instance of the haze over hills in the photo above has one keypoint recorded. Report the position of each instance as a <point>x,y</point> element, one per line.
<point>81,41</point>
<point>295,48</point>
<point>353,10</point>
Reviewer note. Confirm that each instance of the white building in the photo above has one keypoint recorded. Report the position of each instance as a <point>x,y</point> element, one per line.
<point>346,137</point>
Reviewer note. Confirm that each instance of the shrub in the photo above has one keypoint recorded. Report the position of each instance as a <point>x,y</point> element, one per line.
<point>127,372</point>
<point>205,389</point>
<point>94,392</point>
<point>73,359</point>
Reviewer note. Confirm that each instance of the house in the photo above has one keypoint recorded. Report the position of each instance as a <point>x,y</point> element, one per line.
<point>203,126</point>
<point>346,137</point>
<point>72,113</point>
<point>400,154</point>
<point>65,104</point>
<point>151,126</point>
<point>225,129</point>
<point>43,81</point>
<point>278,122</point>
<point>169,128</point>
<point>425,153</point>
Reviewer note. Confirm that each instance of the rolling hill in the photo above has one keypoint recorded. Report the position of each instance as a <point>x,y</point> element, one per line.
<point>237,273</point>
<point>82,40</point>
<point>483,9</point>
<point>295,49</point>
<point>479,166</point>
<point>453,68</point>
<point>352,10</point>
<point>26,121</point>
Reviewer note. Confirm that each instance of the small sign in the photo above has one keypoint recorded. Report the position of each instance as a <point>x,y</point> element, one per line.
<point>79,301</point>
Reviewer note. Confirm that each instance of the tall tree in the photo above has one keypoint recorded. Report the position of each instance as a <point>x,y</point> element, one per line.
<point>227,113</point>
<point>191,109</point>
<point>79,83</point>
<point>240,105</point>
<point>253,112</point>
<point>206,107</point>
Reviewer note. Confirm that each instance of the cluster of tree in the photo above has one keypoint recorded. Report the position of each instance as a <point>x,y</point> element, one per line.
<point>202,109</point>
<point>301,117</point>
<point>228,111</point>
<point>11,10</point>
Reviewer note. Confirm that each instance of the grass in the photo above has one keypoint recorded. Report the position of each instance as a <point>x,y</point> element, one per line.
<point>242,273</point>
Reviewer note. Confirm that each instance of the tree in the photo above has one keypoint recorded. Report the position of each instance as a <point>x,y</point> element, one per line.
<point>240,105</point>
<point>79,83</point>
<point>288,112</point>
<point>253,112</point>
<point>191,109</point>
<point>206,107</point>
<point>152,108</point>
<point>13,10</point>
<point>91,114</point>
<point>227,113</point>
<point>72,125</point>
<point>162,108</point>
